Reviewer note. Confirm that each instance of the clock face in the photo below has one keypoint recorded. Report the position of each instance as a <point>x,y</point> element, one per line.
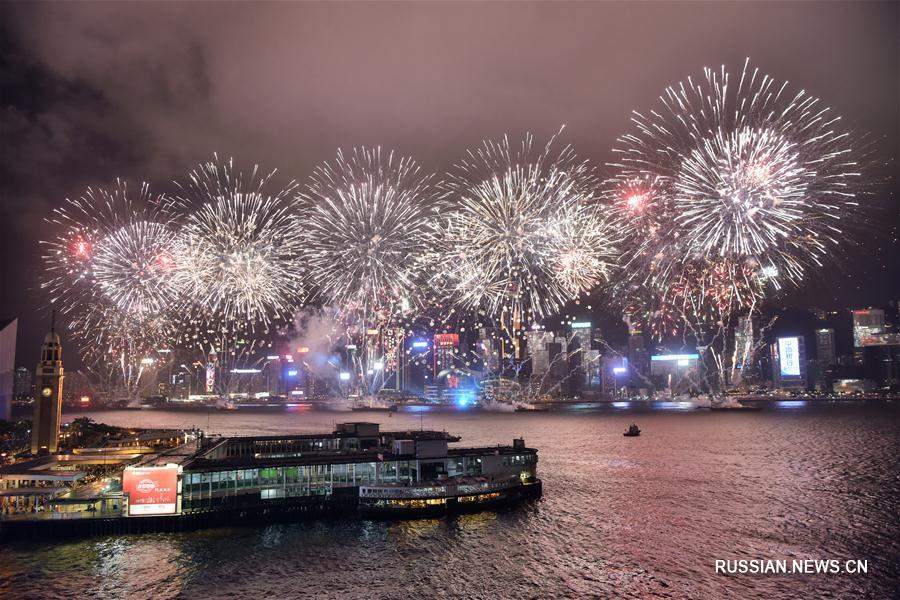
<point>46,392</point>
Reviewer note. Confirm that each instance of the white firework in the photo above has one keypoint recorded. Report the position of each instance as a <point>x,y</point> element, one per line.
<point>737,171</point>
<point>239,256</point>
<point>115,248</point>
<point>369,225</point>
<point>526,233</point>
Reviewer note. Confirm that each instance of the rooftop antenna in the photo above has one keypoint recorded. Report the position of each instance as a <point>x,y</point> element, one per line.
<point>53,321</point>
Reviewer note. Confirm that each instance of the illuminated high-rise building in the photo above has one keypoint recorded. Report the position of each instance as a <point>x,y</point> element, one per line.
<point>868,324</point>
<point>789,369</point>
<point>22,384</point>
<point>8,329</point>
<point>825,347</point>
<point>488,350</point>
<point>583,358</point>
<point>445,348</point>
<point>538,351</point>
<point>826,357</point>
<point>744,342</point>
<point>638,357</point>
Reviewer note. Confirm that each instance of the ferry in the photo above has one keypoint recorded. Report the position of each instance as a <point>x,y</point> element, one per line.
<point>732,404</point>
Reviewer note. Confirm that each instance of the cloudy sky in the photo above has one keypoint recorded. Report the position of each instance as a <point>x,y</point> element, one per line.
<point>91,92</point>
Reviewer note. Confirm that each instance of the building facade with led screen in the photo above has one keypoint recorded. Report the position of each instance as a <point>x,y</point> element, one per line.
<point>789,364</point>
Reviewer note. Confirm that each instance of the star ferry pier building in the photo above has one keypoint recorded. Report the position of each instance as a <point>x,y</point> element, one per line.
<point>356,467</point>
<point>355,470</point>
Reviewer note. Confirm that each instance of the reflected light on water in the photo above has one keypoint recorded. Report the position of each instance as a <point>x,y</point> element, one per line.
<point>134,563</point>
<point>476,521</point>
<point>642,518</point>
<point>790,404</point>
<point>414,528</point>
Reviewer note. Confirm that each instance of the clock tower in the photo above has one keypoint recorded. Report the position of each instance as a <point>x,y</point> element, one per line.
<point>48,386</point>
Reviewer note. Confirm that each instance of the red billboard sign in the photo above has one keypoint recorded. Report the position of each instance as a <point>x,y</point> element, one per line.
<point>446,340</point>
<point>151,490</point>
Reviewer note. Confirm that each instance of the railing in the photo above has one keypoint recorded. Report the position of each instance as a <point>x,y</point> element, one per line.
<point>60,516</point>
<point>442,491</point>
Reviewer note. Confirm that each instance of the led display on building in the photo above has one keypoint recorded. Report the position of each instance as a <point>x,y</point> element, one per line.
<point>789,355</point>
<point>868,325</point>
<point>446,340</point>
<point>210,378</point>
<point>151,490</point>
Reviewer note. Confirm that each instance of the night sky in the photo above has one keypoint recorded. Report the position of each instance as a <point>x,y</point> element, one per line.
<point>91,92</point>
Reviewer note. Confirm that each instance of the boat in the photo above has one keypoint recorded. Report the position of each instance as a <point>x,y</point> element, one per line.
<point>632,431</point>
<point>372,404</point>
<point>526,408</point>
<point>225,404</point>
<point>732,405</point>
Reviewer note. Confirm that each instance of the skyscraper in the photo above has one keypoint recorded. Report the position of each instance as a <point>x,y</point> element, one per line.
<point>582,362</point>
<point>22,384</point>
<point>488,352</point>
<point>867,324</point>
<point>538,351</point>
<point>445,347</point>
<point>826,357</point>
<point>825,348</point>
<point>48,396</point>
<point>638,357</point>
<point>743,342</point>
<point>789,363</point>
<point>8,329</point>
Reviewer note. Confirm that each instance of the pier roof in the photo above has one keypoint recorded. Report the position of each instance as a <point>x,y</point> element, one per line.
<point>212,453</point>
<point>200,463</point>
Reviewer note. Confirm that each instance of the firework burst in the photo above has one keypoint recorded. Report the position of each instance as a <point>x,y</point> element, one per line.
<point>115,248</point>
<point>238,253</point>
<point>368,228</point>
<point>109,273</point>
<point>733,179</point>
<point>526,233</point>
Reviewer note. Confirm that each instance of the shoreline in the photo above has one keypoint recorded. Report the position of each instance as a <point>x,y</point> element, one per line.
<point>22,413</point>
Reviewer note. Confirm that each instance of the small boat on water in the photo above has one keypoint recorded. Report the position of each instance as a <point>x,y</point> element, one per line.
<point>632,431</point>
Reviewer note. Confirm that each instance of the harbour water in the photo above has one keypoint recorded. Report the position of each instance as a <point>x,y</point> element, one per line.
<point>638,517</point>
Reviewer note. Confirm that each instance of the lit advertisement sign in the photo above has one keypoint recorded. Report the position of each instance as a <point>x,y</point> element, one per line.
<point>150,490</point>
<point>581,325</point>
<point>877,339</point>
<point>675,357</point>
<point>446,340</point>
<point>789,355</point>
<point>210,377</point>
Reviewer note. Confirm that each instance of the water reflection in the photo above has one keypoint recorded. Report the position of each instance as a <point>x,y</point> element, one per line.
<point>476,521</point>
<point>404,531</point>
<point>791,404</point>
<point>643,519</point>
<point>133,566</point>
